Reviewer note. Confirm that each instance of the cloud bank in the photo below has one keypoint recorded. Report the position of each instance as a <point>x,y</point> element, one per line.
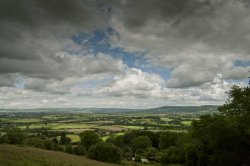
<point>108,53</point>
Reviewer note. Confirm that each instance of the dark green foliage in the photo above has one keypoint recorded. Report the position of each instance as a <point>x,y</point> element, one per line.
<point>172,154</point>
<point>129,137</point>
<point>89,138</point>
<point>238,103</point>
<point>36,142</point>
<point>139,153</point>
<point>105,152</point>
<point>223,140</point>
<point>127,152</point>
<point>116,140</point>
<point>237,108</point>
<point>141,142</point>
<point>219,141</point>
<point>3,139</point>
<point>48,144</point>
<point>80,150</point>
<point>69,149</point>
<point>64,140</point>
<point>191,156</point>
<point>168,139</point>
<point>57,147</point>
<point>151,153</point>
<point>16,136</point>
<point>55,140</point>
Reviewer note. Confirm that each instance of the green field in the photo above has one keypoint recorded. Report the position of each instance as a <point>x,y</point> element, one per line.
<point>74,138</point>
<point>186,122</point>
<point>24,120</point>
<point>166,119</point>
<point>117,134</point>
<point>64,126</point>
<point>131,127</point>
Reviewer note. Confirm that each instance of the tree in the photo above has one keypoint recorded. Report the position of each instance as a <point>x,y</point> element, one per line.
<point>237,107</point>
<point>168,139</point>
<point>48,144</point>
<point>223,139</point>
<point>127,152</point>
<point>105,152</point>
<point>116,140</point>
<point>128,138</point>
<point>3,139</point>
<point>55,140</point>
<point>36,142</point>
<point>142,142</point>
<point>89,138</point>
<point>69,149</point>
<point>63,139</point>
<point>80,150</point>
<point>16,136</point>
<point>238,102</point>
<point>151,153</point>
<point>172,155</point>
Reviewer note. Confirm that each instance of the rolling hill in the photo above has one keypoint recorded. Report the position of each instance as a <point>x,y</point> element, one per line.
<point>164,109</point>
<point>12,155</point>
<point>184,109</point>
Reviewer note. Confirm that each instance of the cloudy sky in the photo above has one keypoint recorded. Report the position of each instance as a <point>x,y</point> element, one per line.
<point>127,53</point>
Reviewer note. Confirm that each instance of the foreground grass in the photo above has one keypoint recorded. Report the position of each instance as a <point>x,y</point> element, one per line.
<point>12,155</point>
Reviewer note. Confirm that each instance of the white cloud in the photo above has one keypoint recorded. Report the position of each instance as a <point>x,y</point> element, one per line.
<point>194,47</point>
<point>41,66</point>
<point>71,69</point>
<point>134,83</point>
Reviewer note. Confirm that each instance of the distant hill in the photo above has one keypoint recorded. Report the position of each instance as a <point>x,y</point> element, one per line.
<point>164,109</point>
<point>12,155</point>
<point>72,110</point>
<point>184,109</point>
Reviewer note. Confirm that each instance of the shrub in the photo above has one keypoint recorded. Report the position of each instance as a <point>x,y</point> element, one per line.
<point>69,149</point>
<point>172,155</point>
<point>142,142</point>
<point>89,138</point>
<point>105,152</point>
<point>80,150</point>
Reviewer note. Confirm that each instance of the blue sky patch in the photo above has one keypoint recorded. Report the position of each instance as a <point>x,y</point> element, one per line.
<point>98,42</point>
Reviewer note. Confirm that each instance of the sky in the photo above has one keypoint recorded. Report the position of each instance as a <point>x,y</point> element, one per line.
<point>122,53</point>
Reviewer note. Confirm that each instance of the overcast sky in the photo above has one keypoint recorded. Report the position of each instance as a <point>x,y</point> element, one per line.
<point>127,53</point>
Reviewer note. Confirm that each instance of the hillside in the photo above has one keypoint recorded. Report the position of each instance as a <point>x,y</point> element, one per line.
<point>184,109</point>
<point>164,109</point>
<point>12,155</point>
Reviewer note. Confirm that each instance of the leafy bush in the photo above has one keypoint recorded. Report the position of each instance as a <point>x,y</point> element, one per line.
<point>64,140</point>
<point>172,155</point>
<point>142,142</point>
<point>105,152</point>
<point>68,149</point>
<point>89,138</point>
<point>16,136</point>
<point>80,150</point>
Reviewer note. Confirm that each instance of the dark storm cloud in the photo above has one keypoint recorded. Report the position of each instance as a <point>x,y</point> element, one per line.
<point>7,80</point>
<point>223,24</point>
<point>136,13</point>
<point>205,36</point>
<point>34,14</point>
<point>32,32</point>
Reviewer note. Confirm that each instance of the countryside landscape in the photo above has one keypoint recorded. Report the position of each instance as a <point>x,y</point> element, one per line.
<point>159,136</point>
<point>124,82</point>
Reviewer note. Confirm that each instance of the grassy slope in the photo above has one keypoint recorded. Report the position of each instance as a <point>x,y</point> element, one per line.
<point>11,155</point>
